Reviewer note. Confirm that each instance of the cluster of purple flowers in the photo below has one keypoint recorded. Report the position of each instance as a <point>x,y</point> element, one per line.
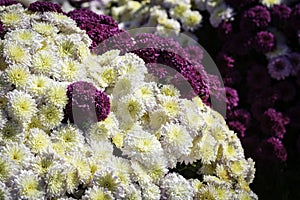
<point>45,7</point>
<point>259,61</point>
<point>86,104</point>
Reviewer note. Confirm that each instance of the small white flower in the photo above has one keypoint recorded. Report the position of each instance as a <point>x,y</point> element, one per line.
<point>21,106</point>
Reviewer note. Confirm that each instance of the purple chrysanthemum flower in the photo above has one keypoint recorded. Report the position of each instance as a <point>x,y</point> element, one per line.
<point>280,14</point>
<point>257,76</point>
<point>232,98</point>
<point>264,42</point>
<point>42,7</point>
<point>279,67</point>
<point>273,123</point>
<point>194,54</point>
<point>225,30</point>
<point>98,27</point>
<point>237,127</point>
<point>257,17</point>
<point>272,150</point>
<point>286,90</point>
<point>7,2</point>
<point>294,59</point>
<point>86,104</point>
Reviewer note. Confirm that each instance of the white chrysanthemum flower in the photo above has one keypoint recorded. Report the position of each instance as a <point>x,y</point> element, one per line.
<point>44,28</point>
<point>69,136</point>
<point>96,192</point>
<point>45,62</point>
<point>170,90</point>
<point>14,17</point>
<point>11,132</point>
<point>108,76</point>
<point>56,181</point>
<point>102,150</point>
<point>50,116</point>
<point>15,53</point>
<point>130,65</point>
<point>21,106</point>
<point>72,179</point>
<point>142,146</point>
<point>207,148</point>
<point>63,22</point>
<point>81,163</point>
<point>122,168</point>
<point>56,94</point>
<point>17,75</point>
<point>171,105</point>
<point>130,108</point>
<point>37,85</point>
<point>176,187</point>
<point>38,141</point>
<point>6,168</point>
<point>104,129</point>
<point>44,161</point>
<point>133,191</point>
<point>167,27</point>
<point>18,153</point>
<point>270,3</point>
<point>29,186</point>
<point>140,173</point>
<point>191,20</point>
<point>156,13</point>
<point>107,179</point>
<point>179,10</point>
<point>220,13</point>
<point>176,140</point>
<point>70,70</point>
<point>244,195</point>
<point>106,58</point>
<point>67,47</point>
<point>151,191</point>
<point>145,93</point>
<point>158,118</point>
<point>26,37</point>
<point>123,87</point>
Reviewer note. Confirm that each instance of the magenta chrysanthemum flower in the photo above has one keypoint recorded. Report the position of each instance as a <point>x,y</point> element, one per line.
<point>279,67</point>
<point>294,59</point>
<point>272,150</point>
<point>286,90</point>
<point>98,27</point>
<point>273,123</point>
<point>7,2</point>
<point>39,6</point>
<point>264,42</point>
<point>257,76</point>
<point>257,17</point>
<point>86,104</point>
<point>232,98</point>
<point>280,14</point>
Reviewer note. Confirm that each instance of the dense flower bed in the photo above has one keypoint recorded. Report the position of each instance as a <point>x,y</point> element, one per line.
<point>76,125</point>
<point>255,44</point>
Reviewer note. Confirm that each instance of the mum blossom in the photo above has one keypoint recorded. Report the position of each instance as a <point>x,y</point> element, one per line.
<point>279,67</point>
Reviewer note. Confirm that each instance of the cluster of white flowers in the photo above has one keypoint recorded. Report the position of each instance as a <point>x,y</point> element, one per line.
<point>130,154</point>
